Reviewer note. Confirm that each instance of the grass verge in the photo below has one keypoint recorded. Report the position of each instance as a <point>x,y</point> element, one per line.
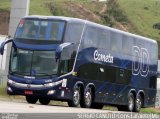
<point>150,111</point>
<point>143,110</point>
<point>3,91</point>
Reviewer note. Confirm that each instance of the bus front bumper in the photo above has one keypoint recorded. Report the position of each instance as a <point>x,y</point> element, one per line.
<point>50,90</point>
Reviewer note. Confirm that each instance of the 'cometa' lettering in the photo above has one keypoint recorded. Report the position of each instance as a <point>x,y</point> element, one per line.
<point>102,57</point>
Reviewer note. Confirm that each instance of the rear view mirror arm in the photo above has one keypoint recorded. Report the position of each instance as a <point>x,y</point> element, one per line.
<point>4,43</point>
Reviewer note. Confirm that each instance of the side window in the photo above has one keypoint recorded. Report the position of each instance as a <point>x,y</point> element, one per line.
<point>73,32</point>
<point>154,50</point>
<point>90,37</point>
<point>116,41</point>
<point>127,44</point>
<point>153,82</point>
<point>123,76</point>
<point>65,66</point>
<point>135,49</point>
<point>88,71</point>
<point>97,72</point>
<point>103,38</point>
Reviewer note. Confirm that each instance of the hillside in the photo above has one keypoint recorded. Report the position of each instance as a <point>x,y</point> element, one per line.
<point>135,16</point>
<point>143,14</point>
<point>94,11</point>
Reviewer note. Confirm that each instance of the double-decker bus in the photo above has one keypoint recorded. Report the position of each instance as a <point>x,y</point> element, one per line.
<point>81,62</point>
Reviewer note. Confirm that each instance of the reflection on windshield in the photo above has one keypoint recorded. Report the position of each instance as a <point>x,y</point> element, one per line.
<point>40,29</point>
<point>35,63</point>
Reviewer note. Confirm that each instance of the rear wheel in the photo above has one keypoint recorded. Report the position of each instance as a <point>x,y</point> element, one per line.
<point>138,103</point>
<point>130,106</point>
<point>31,99</point>
<point>131,100</point>
<point>75,98</point>
<point>44,101</point>
<point>88,98</point>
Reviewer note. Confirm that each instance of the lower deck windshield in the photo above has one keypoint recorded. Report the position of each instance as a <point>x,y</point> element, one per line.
<point>37,63</point>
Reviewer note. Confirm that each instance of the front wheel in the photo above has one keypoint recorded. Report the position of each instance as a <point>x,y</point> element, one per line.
<point>44,101</point>
<point>31,99</point>
<point>75,98</point>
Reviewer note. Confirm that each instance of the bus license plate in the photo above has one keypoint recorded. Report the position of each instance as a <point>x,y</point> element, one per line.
<point>28,92</point>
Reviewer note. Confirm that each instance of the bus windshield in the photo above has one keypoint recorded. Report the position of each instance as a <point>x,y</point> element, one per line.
<point>32,29</point>
<point>33,63</point>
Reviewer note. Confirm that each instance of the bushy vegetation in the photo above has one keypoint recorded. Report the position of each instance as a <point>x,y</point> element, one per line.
<point>143,14</point>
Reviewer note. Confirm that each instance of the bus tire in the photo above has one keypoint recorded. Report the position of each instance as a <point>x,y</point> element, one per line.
<point>75,98</point>
<point>131,102</point>
<point>88,97</point>
<point>44,101</point>
<point>31,99</point>
<point>138,103</point>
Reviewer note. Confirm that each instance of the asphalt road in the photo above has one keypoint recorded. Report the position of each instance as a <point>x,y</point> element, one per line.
<point>23,110</point>
<point>19,107</point>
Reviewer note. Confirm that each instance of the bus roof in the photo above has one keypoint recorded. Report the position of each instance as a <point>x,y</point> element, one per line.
<point>70,19</point>
<point>55,18</point>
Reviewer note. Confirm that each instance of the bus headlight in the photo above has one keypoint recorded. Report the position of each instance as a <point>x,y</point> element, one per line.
<point>11,82</point>
<point>50,84</point>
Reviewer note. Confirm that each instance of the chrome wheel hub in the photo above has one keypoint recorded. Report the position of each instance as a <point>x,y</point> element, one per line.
<point>88,98</point>
<point>131,103</point>
<point>76,97</point>
<point>138,103</point>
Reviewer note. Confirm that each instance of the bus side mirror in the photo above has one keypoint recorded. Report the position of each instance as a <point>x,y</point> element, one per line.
<point>3,45</point>
<point>60,48</point>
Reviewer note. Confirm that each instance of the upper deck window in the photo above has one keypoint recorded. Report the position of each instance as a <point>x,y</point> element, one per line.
<point>33,29</point>
<point>73,32</point>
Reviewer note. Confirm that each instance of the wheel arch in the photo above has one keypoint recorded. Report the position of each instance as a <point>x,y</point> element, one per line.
<point>81,85</point>
<point>133,91</point>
